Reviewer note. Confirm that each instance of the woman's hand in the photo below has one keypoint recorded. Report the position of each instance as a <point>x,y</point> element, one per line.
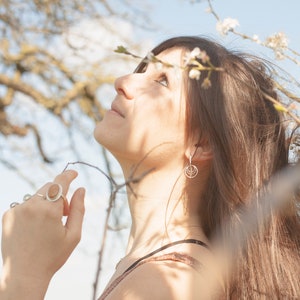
<point>35,242</point>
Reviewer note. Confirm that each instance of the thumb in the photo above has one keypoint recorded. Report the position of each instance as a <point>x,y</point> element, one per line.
<point>76,213</point>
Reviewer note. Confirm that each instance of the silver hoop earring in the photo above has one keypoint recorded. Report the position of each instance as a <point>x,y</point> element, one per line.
<point>190,171</point>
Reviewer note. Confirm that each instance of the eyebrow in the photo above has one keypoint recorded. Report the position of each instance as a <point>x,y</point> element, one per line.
<point>142,66</point>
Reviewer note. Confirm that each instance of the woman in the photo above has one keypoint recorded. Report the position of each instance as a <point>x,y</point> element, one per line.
<point>198,154</point>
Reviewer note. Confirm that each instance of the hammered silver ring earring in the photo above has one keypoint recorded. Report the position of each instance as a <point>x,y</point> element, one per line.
<point>191,170</point>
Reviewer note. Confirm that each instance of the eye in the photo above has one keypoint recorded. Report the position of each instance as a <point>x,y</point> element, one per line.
<point>163,80</point>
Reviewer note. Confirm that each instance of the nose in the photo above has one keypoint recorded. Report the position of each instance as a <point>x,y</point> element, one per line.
<point>125,86</point>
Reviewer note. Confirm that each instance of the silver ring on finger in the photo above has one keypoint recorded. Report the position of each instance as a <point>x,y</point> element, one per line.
<point>26,197</point>
<point>14,204</point>
<point>54,192</point>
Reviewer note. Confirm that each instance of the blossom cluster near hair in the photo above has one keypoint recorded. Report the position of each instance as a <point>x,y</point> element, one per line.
<point>195,61</point>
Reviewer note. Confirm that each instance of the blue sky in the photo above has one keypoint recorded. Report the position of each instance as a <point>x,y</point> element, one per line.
<point>178,17</point>
<point>263,18</point>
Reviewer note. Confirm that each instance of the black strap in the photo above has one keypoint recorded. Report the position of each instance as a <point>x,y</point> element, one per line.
<point>190,241</point>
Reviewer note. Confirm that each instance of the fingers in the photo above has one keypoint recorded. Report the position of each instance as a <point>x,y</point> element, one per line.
<point>65,179</point>
<point>76,213</point>
<point>59,186</point>
<point>59,207</point>
<point>66,208</point>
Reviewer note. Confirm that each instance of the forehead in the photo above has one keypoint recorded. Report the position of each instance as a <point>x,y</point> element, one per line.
<point>171,63</point>
<point>172,56</point>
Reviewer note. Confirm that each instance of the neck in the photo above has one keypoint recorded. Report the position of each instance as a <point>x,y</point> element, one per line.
<point>161,209</point>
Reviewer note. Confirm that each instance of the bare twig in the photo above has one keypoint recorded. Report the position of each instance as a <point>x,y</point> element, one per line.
<point>115,188</point>
<point>110,179</point>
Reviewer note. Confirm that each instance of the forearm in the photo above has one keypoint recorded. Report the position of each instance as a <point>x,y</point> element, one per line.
<point>14,287</point>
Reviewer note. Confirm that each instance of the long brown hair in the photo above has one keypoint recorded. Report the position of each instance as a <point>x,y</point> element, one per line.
<point>248,140</point>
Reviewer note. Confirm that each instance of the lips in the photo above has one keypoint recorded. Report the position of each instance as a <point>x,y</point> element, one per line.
<point>115,108</point>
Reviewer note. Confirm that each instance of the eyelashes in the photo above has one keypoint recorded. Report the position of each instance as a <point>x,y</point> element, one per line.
<point>163,80</point>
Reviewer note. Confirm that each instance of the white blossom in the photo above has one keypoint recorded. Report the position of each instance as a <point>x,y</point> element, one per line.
<point>279,55</point>
<point>256,39</point>
<point>189,56</point>
<point>194,74</point>
<point>206,84</point>
<point>278,41</point>
<point>204,57</point>
<point>226,25</point>
<point>195,53</point>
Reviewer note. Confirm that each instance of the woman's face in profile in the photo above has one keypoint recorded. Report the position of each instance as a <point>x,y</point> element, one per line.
<point>148,112</point>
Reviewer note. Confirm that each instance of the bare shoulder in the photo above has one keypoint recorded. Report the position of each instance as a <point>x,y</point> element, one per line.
<point>161,280</point>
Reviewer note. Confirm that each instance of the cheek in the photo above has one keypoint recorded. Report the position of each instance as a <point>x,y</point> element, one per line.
<point>161,126</point>
<point>151,125</point>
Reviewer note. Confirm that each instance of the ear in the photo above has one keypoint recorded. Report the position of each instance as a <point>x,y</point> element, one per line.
<point>201,152</point>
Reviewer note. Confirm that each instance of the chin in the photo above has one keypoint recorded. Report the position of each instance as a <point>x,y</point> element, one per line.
<point>102,135</point>
<point>106,138</point>
<point>97,133</point>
